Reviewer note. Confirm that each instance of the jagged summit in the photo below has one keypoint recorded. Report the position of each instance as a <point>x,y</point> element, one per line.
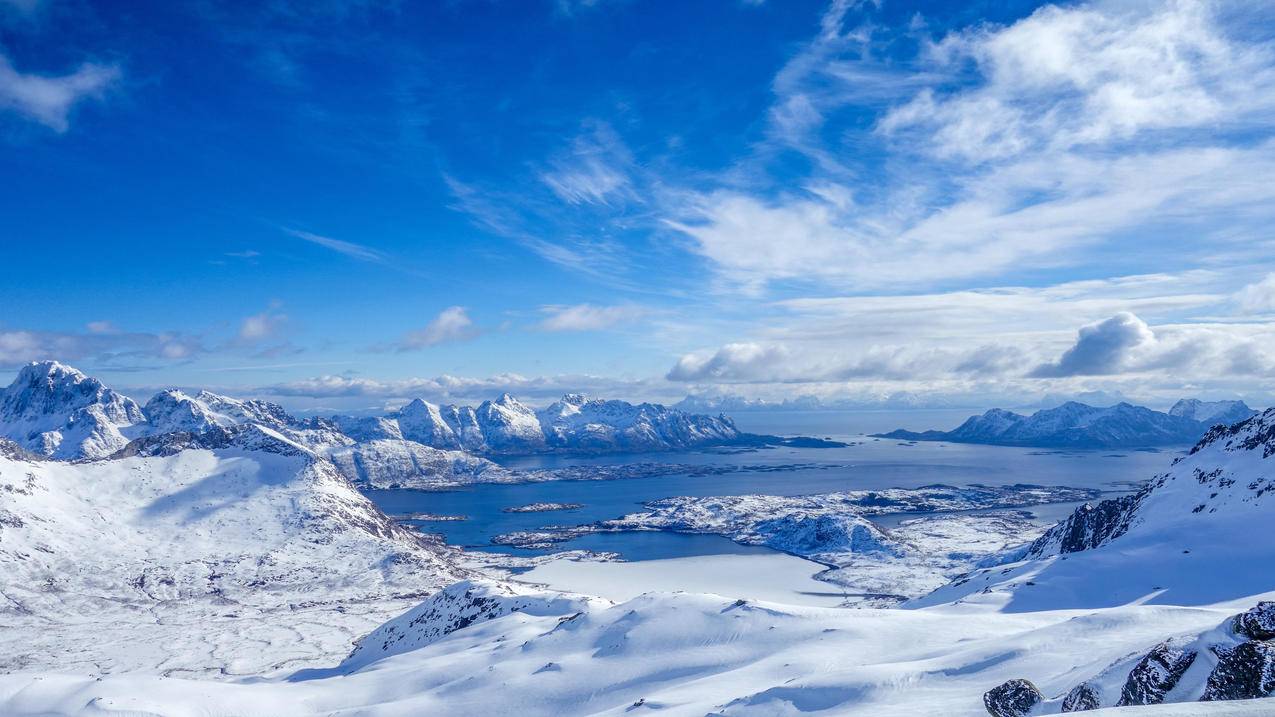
<point>57,411</point>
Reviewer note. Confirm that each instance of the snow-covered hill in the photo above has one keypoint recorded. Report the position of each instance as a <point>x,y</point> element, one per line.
<point>56,411</point>
<point>669,654</point>
<point>236,550</point>
<point>1076,425</point>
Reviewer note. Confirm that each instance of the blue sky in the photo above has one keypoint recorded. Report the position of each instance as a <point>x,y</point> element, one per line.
<point>348,203</point>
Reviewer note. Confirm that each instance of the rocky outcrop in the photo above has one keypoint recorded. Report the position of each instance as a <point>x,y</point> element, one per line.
<point>1087,527</point>
<point>1243,672</point>
<point>1015,698</point>
<point>1155,675</point>
<point>456,608</point>
<point>1082,698</point>
<point>1257,622</point>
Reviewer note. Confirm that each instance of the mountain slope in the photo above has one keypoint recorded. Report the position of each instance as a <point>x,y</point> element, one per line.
<point>1076,425</point>
<point>1193,535</point>
<point>56,411</point>
<point>236,550</point>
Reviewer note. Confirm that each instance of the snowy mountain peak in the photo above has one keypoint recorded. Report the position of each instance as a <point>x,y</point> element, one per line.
<point>1212,412</point>
<point>174,410</point>
<point>57,411</point>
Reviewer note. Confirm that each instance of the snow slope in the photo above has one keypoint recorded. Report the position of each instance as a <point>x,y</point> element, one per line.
<point>671,654</point>
<point>245,558</point>
<point>1194,535</point>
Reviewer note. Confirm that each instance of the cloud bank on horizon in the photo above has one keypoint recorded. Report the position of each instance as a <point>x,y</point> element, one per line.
<point>856,201</point>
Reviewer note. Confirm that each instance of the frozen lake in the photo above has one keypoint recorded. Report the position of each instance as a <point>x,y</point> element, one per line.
<point>866,464</point>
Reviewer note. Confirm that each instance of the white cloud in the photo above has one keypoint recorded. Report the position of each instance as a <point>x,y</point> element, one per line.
<point>1074,131</point>
<point>49,99</point>
<point>1258,297</point>
<point>261,327</point>
<point>350,249</point>
<point>451,324</point>
<point>594,171</point>
<point>1087,75</point>
<point>111,348</point>
<point>745,361</point>
<point>588,317</point>
<point>456,388</point>
<point>101,327</point>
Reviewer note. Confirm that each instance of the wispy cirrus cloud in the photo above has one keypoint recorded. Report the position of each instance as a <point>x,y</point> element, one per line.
<point>348,248</point>
<point>588,317</point>
<point>1047,142</point>
<point>594,171</point>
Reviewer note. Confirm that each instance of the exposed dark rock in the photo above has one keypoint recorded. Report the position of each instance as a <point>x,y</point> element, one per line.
<point>1015,698</point>
<point>1083,697</point>
<point>1088,527</point>
<point>1243,672</point>
<point>1257,622</point>
<point>1155,675</point>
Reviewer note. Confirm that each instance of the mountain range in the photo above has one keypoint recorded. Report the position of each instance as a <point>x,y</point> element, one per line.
<point>56,411</point>
<point>1158,603</point>
<point>1077,425</point>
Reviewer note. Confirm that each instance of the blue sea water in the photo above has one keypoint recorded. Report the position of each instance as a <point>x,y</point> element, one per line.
<point>865,464</point>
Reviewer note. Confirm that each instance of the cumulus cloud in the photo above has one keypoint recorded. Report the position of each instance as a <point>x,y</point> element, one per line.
<point>1101,348</point>
<point>451,324</point>
<point>49,99</point>
<point>587,317</point>
<point>732,362</point>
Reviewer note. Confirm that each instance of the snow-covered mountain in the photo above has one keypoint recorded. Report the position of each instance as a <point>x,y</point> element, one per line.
<point>388,463</point>
<point>1077,425</point>
<point>56,411</point>
<point>185,543</point>
<point>1194,535</point>
<point>1187,537</point>
<point>574,424</point>
<point>1212,413</point>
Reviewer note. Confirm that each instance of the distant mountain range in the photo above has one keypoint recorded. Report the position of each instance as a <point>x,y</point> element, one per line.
<point>1077,425</point>
<point>56,411</point>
